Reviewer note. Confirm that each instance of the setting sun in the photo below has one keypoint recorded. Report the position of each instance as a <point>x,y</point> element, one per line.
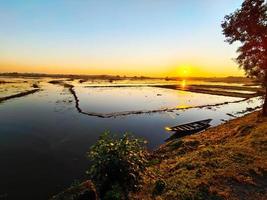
<point>183,71</point>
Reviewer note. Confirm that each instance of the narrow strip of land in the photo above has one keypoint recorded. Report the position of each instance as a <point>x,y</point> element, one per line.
<point>21,94</point>
<point>221,90</point>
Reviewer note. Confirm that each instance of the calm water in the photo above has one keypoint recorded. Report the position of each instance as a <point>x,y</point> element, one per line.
<point>44,140</point>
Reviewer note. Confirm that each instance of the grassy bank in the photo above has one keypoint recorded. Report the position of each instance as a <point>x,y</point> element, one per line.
<point>224,162</point>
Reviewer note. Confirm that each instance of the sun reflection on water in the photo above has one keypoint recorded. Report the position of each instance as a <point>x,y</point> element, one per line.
<point>183,84</point>
<point>183,106</point>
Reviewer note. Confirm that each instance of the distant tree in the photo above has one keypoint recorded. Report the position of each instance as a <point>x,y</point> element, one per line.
<point>248,26</point>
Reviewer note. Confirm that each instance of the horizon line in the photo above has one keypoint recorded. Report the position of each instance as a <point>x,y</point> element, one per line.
<point>121,76</point>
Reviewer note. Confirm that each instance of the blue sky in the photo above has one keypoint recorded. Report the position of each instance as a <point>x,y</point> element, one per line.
<point>150,37</point>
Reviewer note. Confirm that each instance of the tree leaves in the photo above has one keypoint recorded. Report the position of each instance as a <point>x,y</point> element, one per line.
<point>248,25</point>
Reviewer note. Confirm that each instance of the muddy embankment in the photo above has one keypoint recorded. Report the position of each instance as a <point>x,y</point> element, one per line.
<point>21,94</point>
<point>71,89</point>
<point>221,90</point>
<point>35,89</point>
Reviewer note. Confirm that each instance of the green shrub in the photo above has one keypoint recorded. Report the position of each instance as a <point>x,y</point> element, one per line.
<point>117,161</point>
<point>176,144</point>
<point>203,193</point>
<point>153,162</point>
<point>160,186</point>
<point>115,193</point>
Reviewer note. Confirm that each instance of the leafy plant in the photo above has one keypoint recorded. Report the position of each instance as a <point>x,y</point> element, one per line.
<point>115,193</point>
<point>160,186</point>
<point>117,161</point>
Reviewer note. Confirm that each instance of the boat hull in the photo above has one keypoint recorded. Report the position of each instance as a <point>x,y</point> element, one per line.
<point>188,129</point>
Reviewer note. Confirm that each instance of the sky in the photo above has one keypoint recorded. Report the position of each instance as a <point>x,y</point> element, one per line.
<point>117,37</point>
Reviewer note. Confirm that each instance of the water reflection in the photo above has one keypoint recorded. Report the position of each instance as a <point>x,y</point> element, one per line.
<point>122,99</point>
<point>183,84</point>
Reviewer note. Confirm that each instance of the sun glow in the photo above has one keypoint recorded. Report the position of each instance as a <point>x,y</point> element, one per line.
<point>184,71</point>
<point>182,106</point>
<point>72,43</point>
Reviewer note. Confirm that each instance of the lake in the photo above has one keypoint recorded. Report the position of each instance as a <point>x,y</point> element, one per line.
<point>44,139</point>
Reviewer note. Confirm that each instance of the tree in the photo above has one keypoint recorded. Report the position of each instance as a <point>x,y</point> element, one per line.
<point>248,26</point>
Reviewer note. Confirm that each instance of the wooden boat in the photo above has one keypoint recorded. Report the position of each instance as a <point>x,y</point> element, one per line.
<point>190,128</point>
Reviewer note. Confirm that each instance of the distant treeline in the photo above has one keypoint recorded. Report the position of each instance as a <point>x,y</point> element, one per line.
<point>229,79</point>
<point>73,76</point>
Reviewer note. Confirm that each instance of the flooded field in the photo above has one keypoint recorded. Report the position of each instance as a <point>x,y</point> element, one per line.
<point>121,99</point>
<point>11,88</point>
<point>44,138</point>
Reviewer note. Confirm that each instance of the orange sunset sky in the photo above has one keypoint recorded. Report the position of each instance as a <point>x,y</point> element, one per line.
<point>151,38</point>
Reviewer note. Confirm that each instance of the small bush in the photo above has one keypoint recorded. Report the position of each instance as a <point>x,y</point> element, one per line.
<point>240,158</point>
<point>176,144</point>
<point>153,162</point>
<point>213,163</point>
<point>192,143</point>
<point>160,186</point>
<point>115,193</point>
<point>117,161</point>
<point>190,166</point>
<point>203,193</point>
<point>207,153</point>
<point>78,191</point>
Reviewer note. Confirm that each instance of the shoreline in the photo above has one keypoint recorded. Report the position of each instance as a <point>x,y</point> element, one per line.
<point>228,161</point>
<point>223,159</point>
